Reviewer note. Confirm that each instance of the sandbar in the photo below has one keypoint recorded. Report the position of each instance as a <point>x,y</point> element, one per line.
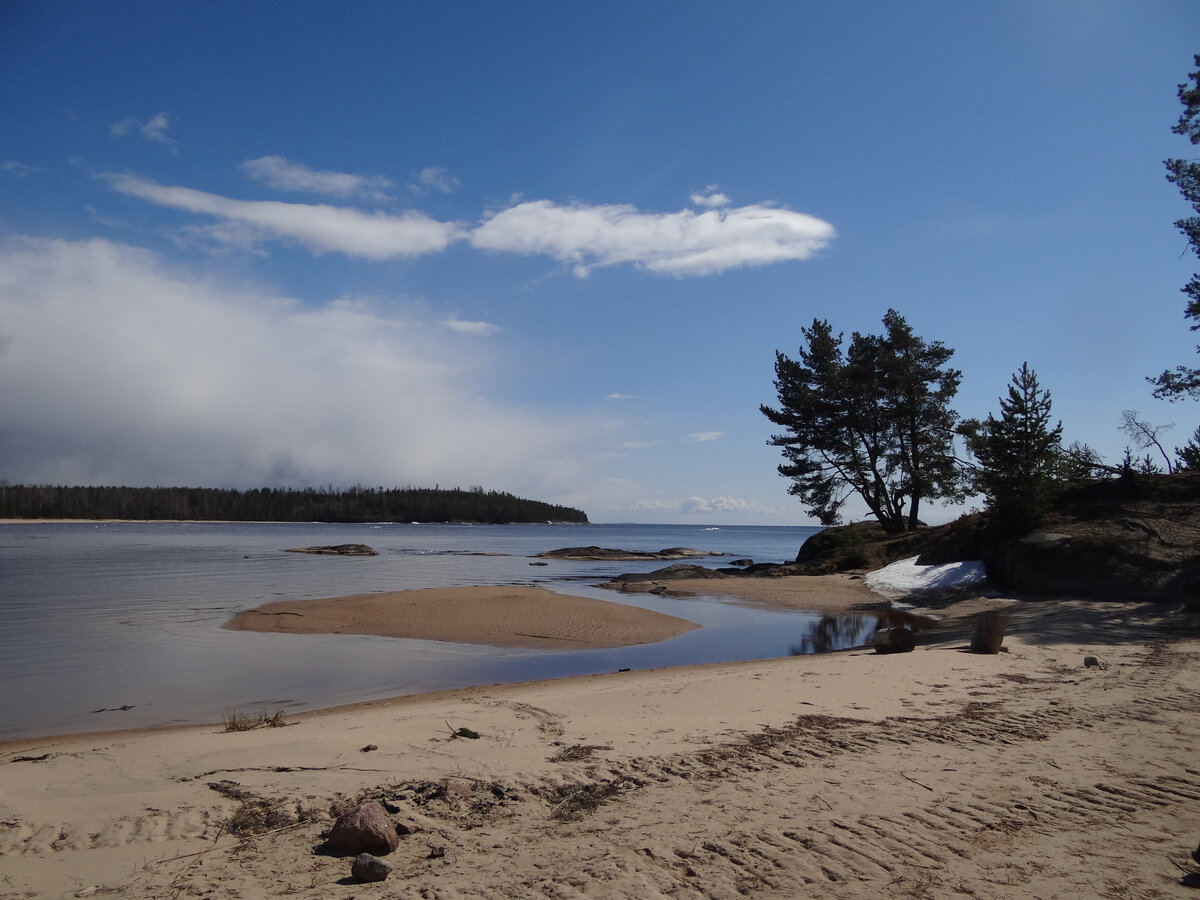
<point>499,616</point>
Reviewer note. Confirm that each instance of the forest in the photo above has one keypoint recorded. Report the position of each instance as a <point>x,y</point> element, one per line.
<point>356,504</point>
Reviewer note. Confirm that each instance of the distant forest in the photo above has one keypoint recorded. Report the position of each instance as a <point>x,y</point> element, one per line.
<point>357,504</point>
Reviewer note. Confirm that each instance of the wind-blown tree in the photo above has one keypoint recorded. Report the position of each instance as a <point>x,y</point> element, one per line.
<point>1020,454</point>
<point>872,419</point>
<point>1185,174</point>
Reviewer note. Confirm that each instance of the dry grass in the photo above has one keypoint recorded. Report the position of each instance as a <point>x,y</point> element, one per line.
<point>238,721</point>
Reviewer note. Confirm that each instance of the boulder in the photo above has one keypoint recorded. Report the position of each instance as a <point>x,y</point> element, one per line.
<point>365,829</point>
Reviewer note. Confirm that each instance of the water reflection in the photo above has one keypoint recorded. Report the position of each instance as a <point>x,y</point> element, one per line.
<point>840,632</point>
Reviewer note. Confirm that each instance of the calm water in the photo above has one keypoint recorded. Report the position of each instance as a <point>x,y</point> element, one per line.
<point>99,616</point>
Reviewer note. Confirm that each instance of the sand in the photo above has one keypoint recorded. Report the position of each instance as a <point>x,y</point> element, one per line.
<point>937,773</point>
<point>511,616</point>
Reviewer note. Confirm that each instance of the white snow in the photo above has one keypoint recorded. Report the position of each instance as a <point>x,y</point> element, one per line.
<point>905,577</point>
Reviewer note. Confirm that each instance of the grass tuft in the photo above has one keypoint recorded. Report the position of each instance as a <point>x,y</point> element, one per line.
<point>238,721</point>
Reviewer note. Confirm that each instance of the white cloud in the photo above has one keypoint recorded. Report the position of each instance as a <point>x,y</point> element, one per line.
<point>682,243</point>
<point>15,168</point>
<point>154,130</point>
<point>696,506</point>
<point>639,445</point>
<point>322,229</point>
<point>115,368</point>
<point>702,437</point>
<point>435,178</point>
<point>618,396</point>
<point>714,505</point>
<point>710,197</point>
<point>285,175</point>
<point>479,329</point>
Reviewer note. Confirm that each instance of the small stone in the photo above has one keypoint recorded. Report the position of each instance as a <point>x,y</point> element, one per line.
<point>407,827</point>
<point>1090,662</point>
<point>369,868</point>
<point>369,748</point>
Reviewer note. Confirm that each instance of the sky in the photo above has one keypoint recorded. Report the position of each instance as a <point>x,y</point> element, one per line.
<point>552,248</point>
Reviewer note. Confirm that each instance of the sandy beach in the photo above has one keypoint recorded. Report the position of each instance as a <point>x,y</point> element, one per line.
<point>937,773</point>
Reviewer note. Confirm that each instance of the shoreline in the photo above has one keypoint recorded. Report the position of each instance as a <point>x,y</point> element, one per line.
<point>846,775</point>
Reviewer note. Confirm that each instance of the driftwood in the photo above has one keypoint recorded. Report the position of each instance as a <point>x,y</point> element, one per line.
<point>894,640</point>
<point>989,632</point>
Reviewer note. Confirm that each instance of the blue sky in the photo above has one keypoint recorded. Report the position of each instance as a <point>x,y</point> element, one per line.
<point>552,248</point>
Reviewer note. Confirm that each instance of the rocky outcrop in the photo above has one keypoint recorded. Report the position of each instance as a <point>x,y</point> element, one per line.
<point>1130,538</point>
<point>602,553</point>
<point>338,550</point>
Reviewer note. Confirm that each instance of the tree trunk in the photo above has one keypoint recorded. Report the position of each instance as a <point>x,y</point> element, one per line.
<point>894,640</point>
<point>989,632</point>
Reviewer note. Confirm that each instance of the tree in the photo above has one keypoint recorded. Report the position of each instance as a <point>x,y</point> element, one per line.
<point>1185,174</point>
<point>872,420</point>
<point>1188,456</point>
<point>1020,455</point>
<point>1145,435</point>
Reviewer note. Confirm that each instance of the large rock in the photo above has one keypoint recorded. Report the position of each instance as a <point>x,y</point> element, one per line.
<point>365,829</point>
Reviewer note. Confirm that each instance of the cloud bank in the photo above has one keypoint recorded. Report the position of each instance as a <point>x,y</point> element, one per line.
<point>115,368</point>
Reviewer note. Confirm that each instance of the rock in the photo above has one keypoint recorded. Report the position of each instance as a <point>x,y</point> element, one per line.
<point>338,550</point>
<point>669,573</point>
<point>369,748</point>
<point>407,827</point>
<point>369,868</point>
<point>742,562</point>
<point>602,553</point>
<point>365,829</point>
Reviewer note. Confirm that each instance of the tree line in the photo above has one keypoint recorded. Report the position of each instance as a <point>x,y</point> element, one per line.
<point>356,504</point>
<point>872,418</point>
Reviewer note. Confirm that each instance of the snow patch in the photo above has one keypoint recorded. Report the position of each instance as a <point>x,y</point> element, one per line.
<point>906,577</point>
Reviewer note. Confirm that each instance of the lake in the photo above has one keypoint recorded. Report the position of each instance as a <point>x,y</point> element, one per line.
<point>100,616</point>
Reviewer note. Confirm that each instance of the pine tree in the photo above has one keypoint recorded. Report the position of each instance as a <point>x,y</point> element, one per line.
<point>1188,456</point>
<point>1019,454</point>
<point>872,419</point>
<point>1185,174</point>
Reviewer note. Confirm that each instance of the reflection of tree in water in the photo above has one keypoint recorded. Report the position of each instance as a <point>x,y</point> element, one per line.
<point>837,633</point>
